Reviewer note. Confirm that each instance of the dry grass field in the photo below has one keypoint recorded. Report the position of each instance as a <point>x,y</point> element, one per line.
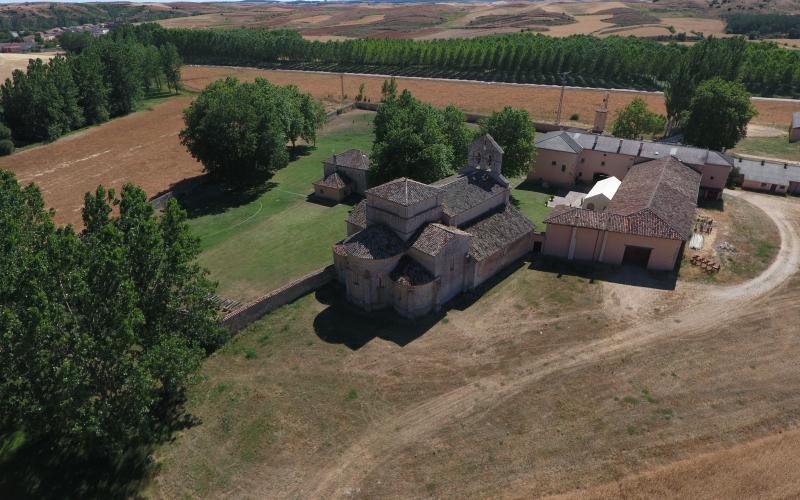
<point>10,62</point>
<point>540,101</point>
<point>558,380</point>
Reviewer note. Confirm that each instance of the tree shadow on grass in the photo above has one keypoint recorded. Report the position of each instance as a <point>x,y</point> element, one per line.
<point>210,198</point>
<point>344,323</point>
<point>299,151</point>
<point>47,469</point>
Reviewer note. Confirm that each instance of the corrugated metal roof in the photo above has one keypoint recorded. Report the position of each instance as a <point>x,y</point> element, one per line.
<point>796,119</point>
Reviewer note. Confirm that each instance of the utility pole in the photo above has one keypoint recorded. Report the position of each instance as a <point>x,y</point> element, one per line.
<point>341,77</point>
<point>561,99</point>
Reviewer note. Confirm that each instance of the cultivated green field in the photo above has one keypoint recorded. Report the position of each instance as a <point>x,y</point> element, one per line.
<point>256,246</point>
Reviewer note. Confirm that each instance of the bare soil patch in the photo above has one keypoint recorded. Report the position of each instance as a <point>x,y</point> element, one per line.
<point>540,101</point>
<point>142,148</point>
<point>744,241</point>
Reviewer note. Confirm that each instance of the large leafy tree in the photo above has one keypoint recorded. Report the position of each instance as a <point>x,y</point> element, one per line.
<point>87,71</point>
<point>513,130</point>
<point>412,140</point>
<point>635,120</point>
<point>171,65</point>
<point>458,135</point>
<point>718,114</point>
<point>32,106</point>
<point>710,58</point>
<point>239,130</point>
<point>99,331</point>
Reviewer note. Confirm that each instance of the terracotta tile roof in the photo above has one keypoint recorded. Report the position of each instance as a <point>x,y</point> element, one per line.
<point>352,158</point>
<point>404,191</point>
<point>334,181</point>
<point>497,230</point>
<point>411,272</point>
<point>434,238</point>
<point>462,192</point>
<point>374,242</point>
<point>358,215</point>
<point>656,199</point>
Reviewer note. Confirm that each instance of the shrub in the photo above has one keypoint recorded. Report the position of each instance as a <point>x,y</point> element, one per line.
<point>6,147</point>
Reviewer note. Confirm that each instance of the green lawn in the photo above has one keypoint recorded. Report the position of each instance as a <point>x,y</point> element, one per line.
<point>258,246</point>
<point>531,200</point>
<point>772,147</point>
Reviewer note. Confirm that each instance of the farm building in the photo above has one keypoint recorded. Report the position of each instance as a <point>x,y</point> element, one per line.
<point>16,47</point>
<point>566,158</point>
<point>415,246</point>
<point>768,176</point>
<point>343,174</point>
<point>794,128</point>
<point>599,197</point>
<point>647,222</point>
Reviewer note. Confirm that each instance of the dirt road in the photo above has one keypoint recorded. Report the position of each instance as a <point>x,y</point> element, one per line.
<point>377,447</point>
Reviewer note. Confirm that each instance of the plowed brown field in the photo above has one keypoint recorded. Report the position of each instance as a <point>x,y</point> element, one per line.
<point>142,148</point>
<point>476,97</point>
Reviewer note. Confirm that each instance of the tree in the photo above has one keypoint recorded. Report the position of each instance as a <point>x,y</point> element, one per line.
<point>101,331</point>
<point>389,89</point>
<point>239,130</point>
<point>409,142</point>
<point>122,73</point>
<point>718,115</point>
<point>458,135</point>
<point>32,105</point>
<point>6,144</point>
<point>60,73</point>
<point>635,120</point>
<point>513,130</point>
<point>87,71</point>
<point>171,65</point>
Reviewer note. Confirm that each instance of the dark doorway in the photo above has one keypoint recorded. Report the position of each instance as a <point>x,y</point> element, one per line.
<point>537,247</point>
<point>599,176</point>
<point>636,256</point>
<point>772,188</point>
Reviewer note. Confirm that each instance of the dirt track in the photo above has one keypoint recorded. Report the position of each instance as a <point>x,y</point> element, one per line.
<point>386,438</point>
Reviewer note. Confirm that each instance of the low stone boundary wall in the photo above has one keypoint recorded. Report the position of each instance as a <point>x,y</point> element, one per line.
<point>255,310</point>
<point>474,118</point>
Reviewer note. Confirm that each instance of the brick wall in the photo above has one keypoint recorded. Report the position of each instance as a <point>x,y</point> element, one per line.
<point>247,314</point>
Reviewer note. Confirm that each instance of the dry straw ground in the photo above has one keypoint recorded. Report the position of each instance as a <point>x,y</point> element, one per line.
<point>475,97</point>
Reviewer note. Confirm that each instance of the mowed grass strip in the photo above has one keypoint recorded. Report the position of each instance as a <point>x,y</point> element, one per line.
<point>770,147</point>
<point>258,246</point>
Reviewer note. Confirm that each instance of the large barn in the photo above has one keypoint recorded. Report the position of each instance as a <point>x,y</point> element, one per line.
<point>647,222</point>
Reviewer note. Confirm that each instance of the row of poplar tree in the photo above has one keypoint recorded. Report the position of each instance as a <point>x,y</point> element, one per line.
<point>765,67</point>
<point>104,78</point>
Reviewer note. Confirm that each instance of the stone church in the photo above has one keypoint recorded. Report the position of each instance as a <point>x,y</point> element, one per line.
<point>415,246</point>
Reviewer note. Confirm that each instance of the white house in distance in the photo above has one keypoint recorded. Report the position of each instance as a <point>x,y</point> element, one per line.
<point>601,194</point>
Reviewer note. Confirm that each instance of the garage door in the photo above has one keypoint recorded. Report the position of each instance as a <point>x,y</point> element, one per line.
<point>636,256</point>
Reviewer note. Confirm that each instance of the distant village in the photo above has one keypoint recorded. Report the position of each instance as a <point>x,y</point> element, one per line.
<point>23,42</point>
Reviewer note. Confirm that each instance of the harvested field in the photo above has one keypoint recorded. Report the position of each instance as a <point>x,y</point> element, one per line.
<point>707,26</point>
<point>10,62</point>
<point>364,20</point>
<point>142,148</point>
<point>540,101</point>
